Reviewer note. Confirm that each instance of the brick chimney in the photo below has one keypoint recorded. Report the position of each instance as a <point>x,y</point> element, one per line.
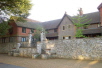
<point>100,10</point>
<point>80,12</point>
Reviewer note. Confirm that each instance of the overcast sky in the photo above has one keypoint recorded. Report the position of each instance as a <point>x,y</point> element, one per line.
<point>45,10</point>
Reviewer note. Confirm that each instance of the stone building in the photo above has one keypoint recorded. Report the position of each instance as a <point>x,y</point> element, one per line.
<point>62,28</point>
<point>65,29</point>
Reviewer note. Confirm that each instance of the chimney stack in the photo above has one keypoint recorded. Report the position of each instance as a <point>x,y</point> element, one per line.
<point>80,12</point>
<point>100,10</point>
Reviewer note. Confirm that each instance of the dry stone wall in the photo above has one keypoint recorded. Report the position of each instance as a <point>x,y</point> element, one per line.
<point>90,48</point>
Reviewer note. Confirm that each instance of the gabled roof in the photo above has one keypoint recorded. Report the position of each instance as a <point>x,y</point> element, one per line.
<point>100,6</point>
<point>33,25</point>
<point>94,17</point>
<point>92,31</point>
<point>31,20</point>
<point>29,24</point>
<point>52,34</point>
<point>51,24</point>
<point>54,23</point>
<point>69,17</point>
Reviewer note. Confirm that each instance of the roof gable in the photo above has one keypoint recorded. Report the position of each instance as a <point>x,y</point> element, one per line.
<point>54,23</point>
<point>69,17</point>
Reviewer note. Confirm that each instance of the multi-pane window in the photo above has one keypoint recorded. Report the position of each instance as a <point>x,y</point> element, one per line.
<point>11,39</point>
<point>23,39</point>
<point>23,30</point>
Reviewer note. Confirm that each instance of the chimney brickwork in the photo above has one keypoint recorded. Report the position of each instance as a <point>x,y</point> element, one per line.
<point>80,12</point>
<point>100,10</point>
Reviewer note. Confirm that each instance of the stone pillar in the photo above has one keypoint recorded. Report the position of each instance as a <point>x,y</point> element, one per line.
<point>29,40</point>
<point>43,37</point>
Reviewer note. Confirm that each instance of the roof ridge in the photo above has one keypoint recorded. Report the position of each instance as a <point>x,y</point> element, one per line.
<point>91,12</point>
<point>51,20</point>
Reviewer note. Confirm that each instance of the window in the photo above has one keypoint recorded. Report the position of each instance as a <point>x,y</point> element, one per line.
<point>98,25</point>
<point>67,37</point>
<point>23,30</point>
<point>69,26</point>
<point>3,40</point>
<point>11,39</point>
<point>32,30</point>
<point>63,37</point>
<point>63,27</point>
<point>55,30</point>
<point>11,30</point>
<point>23,39</point>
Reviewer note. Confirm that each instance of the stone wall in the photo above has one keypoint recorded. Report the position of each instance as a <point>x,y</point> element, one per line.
<point>27,52</point>
<point>89,48</point>
<point>6,47</point>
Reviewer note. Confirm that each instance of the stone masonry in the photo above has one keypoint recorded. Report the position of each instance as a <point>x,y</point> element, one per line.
<point>89,48</point>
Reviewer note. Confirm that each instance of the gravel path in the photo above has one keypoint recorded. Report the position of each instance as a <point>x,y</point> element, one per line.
<point>50,63</point>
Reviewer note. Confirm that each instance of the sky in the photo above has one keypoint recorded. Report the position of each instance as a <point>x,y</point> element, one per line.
<point>46,10</point>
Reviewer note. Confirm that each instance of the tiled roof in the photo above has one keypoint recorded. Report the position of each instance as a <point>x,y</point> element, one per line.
<point>29,24</point>
<point>51,24</point>
<point>52,34</point>
<point>30,20</point>
<point>92,31</point>
<point>94,17</point>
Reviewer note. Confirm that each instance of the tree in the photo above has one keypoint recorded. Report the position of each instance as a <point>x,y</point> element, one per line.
<point>17,10</point>
<point>4,27</point>
<point>38,33</point>
<point>79,22</point>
